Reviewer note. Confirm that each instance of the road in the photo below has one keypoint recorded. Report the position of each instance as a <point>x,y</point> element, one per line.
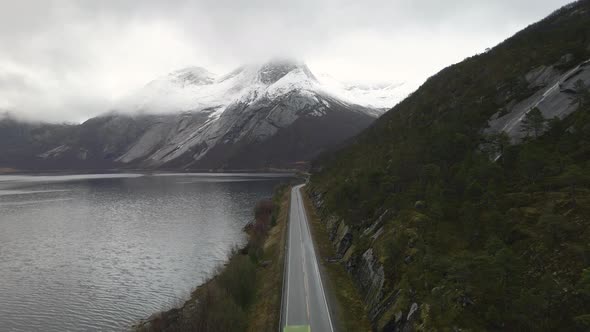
<point>304,300</point>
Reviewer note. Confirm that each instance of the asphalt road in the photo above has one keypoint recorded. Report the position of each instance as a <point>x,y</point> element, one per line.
<point>304,300</point>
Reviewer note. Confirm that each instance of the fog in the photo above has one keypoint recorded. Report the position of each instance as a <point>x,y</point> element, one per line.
<point>70,60</point>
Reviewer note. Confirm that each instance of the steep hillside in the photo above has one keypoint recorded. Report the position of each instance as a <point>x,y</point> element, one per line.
<point>274,115</point>
<point>19,141</point>
<point>444,222</point>
<point>95,144</point>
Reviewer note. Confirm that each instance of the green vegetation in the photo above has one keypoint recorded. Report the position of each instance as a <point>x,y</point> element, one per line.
<point>245,294</point>
<point>533,123</point>
<point>266,310</point>
<point>479,244</point>
<point>350,311</point>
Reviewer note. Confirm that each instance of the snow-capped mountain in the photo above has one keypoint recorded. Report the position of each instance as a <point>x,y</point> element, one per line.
<point>380,96</point>
<point>196,89</point>
<point>247,107</point>
<point>275,114</point>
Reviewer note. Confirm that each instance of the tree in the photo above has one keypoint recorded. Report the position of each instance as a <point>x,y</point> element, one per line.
<point>555,127</point>
<point>533,122</point>
<point>532,161</point>
<point>583,94</point>
<point>584,282</point>
<point>496,144</point>
<point>502,141</point>
<point>583,287</point>
<point>572,176</point>
<point>430,174</point>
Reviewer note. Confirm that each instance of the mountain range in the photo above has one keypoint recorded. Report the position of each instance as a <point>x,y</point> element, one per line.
<point>271,115</point>
<point>446,212</point>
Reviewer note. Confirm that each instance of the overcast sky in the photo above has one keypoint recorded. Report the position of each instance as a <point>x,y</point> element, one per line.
<point>68,60</point>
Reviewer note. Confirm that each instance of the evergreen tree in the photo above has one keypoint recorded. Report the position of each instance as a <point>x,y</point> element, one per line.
<point>497,144</point>
<point>571,177</point>
<point>583,94</point>
<point>533,122</point>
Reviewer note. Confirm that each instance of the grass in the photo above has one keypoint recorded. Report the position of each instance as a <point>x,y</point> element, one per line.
<point>350,310</point>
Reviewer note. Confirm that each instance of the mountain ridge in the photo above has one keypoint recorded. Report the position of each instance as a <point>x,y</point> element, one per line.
<point>446,218</point>
<point>194,119</point>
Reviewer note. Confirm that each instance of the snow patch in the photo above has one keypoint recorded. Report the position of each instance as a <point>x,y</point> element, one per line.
<point>381,96</point>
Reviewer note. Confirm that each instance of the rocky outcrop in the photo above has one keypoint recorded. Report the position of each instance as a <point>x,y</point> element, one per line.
<point>554,94</point>
<point>367,272</point>
<point>370,278</point>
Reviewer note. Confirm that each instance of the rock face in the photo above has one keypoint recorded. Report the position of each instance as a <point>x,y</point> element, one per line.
<point>554,94</point>
<point>367,272</point>
<point>274,115</point>
<point>371,277</point>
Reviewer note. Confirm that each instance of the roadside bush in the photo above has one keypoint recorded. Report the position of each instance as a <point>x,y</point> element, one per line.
<point>239,280</point>
<point>262,216</point>
<point>217,311</point>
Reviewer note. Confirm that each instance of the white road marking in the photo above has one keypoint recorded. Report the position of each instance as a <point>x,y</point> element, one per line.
<point>315,262</point>
<point>298,212</point>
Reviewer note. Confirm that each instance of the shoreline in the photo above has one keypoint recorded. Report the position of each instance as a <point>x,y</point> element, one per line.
<point>245,292</point>
<point>14,171</point>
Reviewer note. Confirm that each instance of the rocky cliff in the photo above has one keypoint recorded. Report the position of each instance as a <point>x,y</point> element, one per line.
<point>366,269</point>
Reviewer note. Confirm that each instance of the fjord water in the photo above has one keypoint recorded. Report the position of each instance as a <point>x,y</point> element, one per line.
<point>99,252</point>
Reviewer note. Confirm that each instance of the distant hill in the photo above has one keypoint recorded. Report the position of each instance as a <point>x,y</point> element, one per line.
<point>467,206</point>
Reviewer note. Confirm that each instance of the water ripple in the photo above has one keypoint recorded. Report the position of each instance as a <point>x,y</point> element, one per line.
<point>99,253</point>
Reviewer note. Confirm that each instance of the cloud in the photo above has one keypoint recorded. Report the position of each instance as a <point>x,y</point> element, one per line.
<point>69,60</point>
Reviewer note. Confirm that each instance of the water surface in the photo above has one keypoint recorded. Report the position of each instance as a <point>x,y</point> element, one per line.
<point>99,252</point>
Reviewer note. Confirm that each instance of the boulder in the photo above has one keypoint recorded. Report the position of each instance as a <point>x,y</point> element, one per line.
<point>344,244</point>
<point>411,318</point>
<point>420,205</point>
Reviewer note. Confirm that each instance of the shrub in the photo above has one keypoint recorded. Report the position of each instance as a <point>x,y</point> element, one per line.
<point>239,280</point>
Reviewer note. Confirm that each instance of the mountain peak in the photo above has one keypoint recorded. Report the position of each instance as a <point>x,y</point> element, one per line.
<point>275,69</point>
<point>192,76</point>
<point>195,88</point>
